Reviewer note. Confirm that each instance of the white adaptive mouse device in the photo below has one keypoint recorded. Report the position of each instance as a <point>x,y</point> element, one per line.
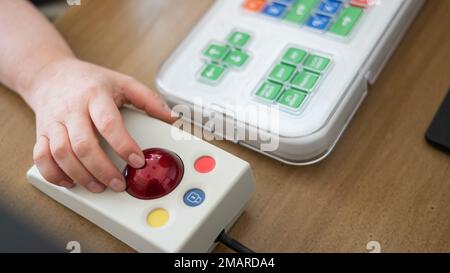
<point>188,192</point>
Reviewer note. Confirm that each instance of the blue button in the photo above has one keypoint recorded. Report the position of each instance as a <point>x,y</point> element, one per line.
<point>194,197</point>
<point>274,9</point>
<point>330,7</point>
<point>285,2</point>
<point>318,21</point>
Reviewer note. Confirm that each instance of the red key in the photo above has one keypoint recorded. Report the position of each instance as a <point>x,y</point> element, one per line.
<point>363,3</point>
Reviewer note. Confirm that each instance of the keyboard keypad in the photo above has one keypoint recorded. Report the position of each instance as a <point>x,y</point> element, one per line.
<point>293,79</point>
<point>338,17</point>
<point>220,57</point>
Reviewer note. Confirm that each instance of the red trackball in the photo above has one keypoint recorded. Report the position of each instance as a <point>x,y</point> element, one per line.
<point>161,174</point>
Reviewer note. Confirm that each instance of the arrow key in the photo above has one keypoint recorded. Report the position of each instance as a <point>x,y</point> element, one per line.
<point>215,51</point>
<point>212,73</point>
<point>236,59</point>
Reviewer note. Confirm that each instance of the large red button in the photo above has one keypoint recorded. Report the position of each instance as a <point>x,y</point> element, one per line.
<point>161,174</point>
<point>205,164</point>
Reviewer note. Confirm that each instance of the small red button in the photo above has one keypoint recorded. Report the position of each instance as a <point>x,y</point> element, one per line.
<point>205,164</point>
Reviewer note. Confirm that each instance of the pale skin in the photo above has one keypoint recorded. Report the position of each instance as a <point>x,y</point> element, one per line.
<point>73,100</point>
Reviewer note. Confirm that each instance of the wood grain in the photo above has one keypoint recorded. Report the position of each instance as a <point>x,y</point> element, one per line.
<point>382,182</point>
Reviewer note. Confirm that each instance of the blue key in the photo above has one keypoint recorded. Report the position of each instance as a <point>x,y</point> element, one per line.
<point>285,2</point>
<point>318,21</point>
<point>274,10</point>
<point>330,6</point>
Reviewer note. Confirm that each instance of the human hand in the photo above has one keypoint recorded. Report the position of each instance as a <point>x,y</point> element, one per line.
<point>73,100</point>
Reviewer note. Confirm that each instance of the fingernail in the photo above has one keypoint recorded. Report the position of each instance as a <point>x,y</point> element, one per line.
<point>66,184</point>
<point>173,115</point>
<point>117,185</point>
<point>167,108</point>
<point>136,161</point>
<point>95,187</point>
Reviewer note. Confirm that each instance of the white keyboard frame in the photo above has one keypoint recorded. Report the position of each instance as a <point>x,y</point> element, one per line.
<point>310,136</point>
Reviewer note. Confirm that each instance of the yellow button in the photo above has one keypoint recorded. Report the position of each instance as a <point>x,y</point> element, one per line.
<point>158,218</point>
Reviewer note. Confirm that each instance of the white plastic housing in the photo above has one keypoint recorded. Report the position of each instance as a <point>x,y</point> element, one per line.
<point>307,137</point>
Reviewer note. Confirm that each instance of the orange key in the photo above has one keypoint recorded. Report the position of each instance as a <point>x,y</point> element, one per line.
<point>254,5</point>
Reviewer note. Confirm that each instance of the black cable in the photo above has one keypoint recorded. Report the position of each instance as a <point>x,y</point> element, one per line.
<point>231,243</point>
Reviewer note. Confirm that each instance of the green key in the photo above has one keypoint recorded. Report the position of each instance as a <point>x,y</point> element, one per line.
<point>282,73</point>
<point>292,98</point>
<point>212,72</point>
<point>305,81</point>
<point>346,21</point>
<point>317,63</point>
<point>300,11</point>
<point>236,58</point>
<point>216,52</point>
<point>238,39</point>
<point>269,91</point>
<point>294,56</point>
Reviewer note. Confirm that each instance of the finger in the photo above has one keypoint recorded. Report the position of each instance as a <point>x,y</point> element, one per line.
<point>47,166</point>
<point>86,147</point>
<point>108,121</point>
<point>146,99</point>
<point>65,158</point>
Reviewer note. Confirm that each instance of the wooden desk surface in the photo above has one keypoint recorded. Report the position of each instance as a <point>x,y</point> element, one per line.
<point>382,182</point>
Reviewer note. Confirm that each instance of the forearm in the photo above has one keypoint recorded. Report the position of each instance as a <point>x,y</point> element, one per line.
<point>29,43</point>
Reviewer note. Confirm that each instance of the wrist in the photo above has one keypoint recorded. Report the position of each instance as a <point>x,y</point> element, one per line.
<point>32,87</point>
